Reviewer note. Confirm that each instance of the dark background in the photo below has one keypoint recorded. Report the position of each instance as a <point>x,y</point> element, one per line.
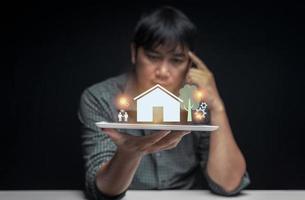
<point>59,48</point>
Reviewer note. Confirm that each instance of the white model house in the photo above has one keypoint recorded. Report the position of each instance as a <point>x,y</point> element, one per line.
<point>158,100</point>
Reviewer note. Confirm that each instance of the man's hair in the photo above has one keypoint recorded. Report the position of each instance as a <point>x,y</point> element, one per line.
<point>166,26</point>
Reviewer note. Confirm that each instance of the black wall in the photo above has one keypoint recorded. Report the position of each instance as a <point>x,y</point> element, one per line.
<point>58,49</point>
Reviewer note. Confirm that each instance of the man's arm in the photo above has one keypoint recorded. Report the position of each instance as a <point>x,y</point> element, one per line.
<point>114,177</point>
<point>226,165</point>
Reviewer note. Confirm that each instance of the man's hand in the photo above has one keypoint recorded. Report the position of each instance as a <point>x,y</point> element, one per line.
<point>142,145</point>
<point>115,176</point>
<point>203,78</point>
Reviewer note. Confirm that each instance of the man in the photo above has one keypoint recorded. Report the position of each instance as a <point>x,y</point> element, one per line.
<point>161,52</point>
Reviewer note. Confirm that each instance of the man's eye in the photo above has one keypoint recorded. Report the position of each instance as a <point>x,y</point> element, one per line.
<point>153,57</point>
<point>175,60</point>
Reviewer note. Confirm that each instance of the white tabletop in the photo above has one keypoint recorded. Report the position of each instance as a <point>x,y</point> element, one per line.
<point>154,195</point>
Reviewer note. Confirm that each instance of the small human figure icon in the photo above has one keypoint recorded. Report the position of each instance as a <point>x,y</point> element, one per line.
<point>123,116</point>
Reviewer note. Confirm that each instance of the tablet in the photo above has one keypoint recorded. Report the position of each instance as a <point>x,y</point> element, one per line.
<point>174,127</point>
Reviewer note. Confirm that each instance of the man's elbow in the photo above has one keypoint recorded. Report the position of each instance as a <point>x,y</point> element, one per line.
<point>233,180</point>
<point>227,183</point>
<point>231,184</point>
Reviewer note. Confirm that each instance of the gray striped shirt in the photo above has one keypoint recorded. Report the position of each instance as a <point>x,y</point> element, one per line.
<point>180,168</point>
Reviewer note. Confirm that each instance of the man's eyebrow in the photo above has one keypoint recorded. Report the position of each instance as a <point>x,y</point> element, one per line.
<point>175,54</point>
<point>152,51</point>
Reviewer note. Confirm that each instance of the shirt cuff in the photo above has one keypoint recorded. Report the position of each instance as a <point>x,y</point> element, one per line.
<point>101,196</point>
<point>217,189</point>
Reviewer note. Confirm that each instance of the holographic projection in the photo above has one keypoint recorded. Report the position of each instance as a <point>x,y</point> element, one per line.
<point>158,105</point>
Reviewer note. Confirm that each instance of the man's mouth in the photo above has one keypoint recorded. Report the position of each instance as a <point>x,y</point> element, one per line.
<point>165,85</point>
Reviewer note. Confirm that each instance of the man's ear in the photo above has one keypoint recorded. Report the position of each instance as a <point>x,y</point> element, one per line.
<point>133,53</point>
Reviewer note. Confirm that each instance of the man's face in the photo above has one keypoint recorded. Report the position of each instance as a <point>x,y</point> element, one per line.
<point>160,66</point>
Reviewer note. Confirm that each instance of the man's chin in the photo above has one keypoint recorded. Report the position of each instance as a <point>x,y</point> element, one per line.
<point>168,87</point>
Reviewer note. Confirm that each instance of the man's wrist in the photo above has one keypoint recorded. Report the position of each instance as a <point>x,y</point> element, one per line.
<point>217,106</point>
<point>128,155</point>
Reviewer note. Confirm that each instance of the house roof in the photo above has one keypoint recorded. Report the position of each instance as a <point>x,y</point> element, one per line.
<point>155,87</point>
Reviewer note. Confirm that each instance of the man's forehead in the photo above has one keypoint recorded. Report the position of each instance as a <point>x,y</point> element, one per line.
<point>177,49</point>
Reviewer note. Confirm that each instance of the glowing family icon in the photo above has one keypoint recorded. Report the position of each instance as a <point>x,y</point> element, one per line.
<point>123,116</point>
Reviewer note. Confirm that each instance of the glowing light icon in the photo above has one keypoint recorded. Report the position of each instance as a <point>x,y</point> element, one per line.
<point>198,116</point>
<point>198,95</point>
<point>123,102</point>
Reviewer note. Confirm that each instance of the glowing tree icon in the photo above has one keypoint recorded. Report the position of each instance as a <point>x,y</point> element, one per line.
<point>189,100</point>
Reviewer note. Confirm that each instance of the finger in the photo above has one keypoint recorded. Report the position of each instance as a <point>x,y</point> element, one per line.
<point>148,141</point>
<point>200,81</point>
<point>186,132</point>
<point>181,133</point>
<point>155,137</point>
<point>197,61</point>
<point>157,148</point>
<point>174,135</point>
<point>199,71</point>
<point>165,143</point>
<point>202,74</point>
<point>177,135</point>
<point>171,145</point>
<point>113,134</point>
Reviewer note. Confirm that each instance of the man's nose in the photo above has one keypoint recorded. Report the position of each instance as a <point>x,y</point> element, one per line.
<point>162,69</point>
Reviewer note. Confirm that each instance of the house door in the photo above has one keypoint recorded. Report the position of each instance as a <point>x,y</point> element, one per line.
<point>157,114</point>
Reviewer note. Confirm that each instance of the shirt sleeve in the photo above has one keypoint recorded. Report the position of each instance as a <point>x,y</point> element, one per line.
<point>217,189</point>
<point>97,146</point>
